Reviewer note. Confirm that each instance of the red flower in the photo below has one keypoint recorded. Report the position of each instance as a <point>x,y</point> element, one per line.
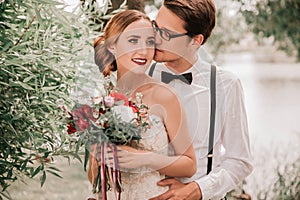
<point>80,119</point>
<point>101,111</point>
<point>82,115</point>
<point>87,111</point>
<point>105,125</point>
<point>133,106</point>
<point>119,97</point>
<point>71,128</point>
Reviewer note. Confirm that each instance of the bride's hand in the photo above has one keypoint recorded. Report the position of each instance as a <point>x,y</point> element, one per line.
<point>95,153</point>
<point>130,158</point>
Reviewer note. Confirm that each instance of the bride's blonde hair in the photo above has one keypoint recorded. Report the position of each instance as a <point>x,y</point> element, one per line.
<point>117,24</point>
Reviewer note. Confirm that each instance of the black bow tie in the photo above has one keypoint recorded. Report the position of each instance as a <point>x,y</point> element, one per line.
<point>167,77</point>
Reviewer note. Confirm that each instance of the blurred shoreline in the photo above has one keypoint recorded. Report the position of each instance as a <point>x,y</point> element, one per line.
<point>271,82</point>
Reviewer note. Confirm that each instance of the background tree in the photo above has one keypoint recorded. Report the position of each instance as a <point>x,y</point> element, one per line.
<point>230,28</point>
<point>95,10</point>
<point>131,4</point>
<point>278,19</point>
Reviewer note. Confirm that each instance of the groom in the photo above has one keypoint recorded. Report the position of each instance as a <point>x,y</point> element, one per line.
<point>182,26</point>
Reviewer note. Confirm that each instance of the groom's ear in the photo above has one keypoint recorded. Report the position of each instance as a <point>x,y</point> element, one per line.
<point>198,39</point>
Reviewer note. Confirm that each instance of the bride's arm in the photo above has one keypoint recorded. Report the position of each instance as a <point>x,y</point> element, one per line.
<point>183,164</point>
<point>177,129</point>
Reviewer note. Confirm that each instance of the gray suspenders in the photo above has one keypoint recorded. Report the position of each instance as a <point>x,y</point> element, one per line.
<point>212,117</point>
<point>151,70</point>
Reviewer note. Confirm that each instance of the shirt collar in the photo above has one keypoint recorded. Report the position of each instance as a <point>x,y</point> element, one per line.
<point>199,67</point>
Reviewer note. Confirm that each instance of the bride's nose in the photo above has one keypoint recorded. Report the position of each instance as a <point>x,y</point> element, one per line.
<point>143,48</point>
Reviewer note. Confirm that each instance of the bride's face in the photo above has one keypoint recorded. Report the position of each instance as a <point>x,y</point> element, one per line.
<point>134,49</point>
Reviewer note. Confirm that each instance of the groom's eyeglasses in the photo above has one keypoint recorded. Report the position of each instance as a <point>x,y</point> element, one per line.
<point>165,34</point>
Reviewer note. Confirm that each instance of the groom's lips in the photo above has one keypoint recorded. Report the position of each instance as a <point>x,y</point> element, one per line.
<point>158,50</point>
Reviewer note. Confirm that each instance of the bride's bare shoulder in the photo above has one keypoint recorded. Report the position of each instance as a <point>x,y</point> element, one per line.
<point>163,93</point>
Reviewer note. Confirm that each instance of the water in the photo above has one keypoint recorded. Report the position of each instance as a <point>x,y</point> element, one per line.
<point>272,96</point>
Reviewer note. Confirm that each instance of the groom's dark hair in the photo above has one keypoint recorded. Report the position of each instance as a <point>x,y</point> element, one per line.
<point>199,15</point>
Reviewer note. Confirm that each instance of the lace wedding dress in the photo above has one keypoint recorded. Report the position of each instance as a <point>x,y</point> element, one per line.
<point>141,183</point>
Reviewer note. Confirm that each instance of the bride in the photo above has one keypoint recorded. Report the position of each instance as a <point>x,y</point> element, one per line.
<point>127,46</point>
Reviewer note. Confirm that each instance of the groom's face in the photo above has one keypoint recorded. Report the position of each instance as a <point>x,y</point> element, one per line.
<point>175,48</point>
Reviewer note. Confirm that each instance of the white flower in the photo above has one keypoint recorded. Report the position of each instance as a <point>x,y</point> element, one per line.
<point>125,112</point>
<point>98,99</point>
<point>109,101</point>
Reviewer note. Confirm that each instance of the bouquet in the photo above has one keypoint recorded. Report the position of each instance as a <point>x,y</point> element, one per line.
<point>112,119</point>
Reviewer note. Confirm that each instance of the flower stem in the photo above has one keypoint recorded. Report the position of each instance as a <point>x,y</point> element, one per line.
<point>103,174</point>
<point>117,178</point>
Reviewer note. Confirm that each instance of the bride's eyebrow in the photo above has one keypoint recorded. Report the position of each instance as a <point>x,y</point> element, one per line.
<point>139,37</point>
<point>133,36</point>
<point>151,37</point>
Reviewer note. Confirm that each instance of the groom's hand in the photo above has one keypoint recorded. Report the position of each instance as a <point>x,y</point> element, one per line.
<point>179,191</point>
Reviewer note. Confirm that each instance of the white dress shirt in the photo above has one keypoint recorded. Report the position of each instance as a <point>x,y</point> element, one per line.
<point>231,157</point>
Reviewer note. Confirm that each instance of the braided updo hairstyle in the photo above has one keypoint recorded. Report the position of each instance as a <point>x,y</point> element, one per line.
<point>105,60</point>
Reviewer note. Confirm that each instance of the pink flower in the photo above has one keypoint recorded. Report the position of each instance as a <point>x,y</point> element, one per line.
<point>109,101</point>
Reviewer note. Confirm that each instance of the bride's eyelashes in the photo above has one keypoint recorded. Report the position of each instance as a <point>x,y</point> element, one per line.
<point>133,40</point>
<point>136,40</point>
<point>151,42</point>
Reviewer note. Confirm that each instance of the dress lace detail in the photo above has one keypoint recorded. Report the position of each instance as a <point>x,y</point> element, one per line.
<point>141,183</point>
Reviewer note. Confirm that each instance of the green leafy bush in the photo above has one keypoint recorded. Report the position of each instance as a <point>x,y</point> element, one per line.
<point>287,184</point>
<point>41,46</point>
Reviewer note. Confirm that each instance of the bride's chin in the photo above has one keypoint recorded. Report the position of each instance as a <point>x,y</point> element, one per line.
<point>139,70</point>
<point>132,75</point>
